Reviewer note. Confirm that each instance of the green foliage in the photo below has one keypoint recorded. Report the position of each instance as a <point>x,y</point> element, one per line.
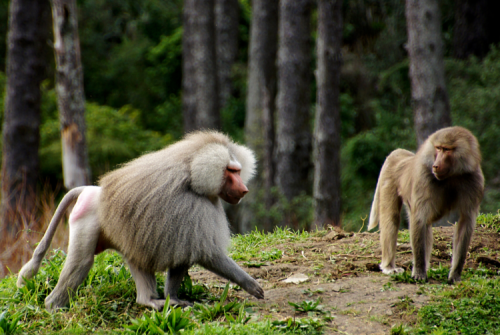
<point>170,321</point>
<point>272,255</point>
<point>474,88</point>
<point>400,330</point>
<point>114,136</point>
<point>4,13</point>
<point>311,292</point>
<point>251,245</point>
<point>300,326</point>
<point>35,291</point>
<point>220,309</point>
<point>439,274</point>
<point>191,291</point>
<point>8,324</point>
<point>307,306</point>
<point>405,277</point>
<point>470,307</point>
<point>119,41</point>
<point>298,211</point>
<point>489,220</point>
<point>364,154</point>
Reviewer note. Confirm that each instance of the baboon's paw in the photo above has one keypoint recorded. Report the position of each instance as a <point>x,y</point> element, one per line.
<point>179,302</point>
<point>419,275</point>
<point>391,270</point>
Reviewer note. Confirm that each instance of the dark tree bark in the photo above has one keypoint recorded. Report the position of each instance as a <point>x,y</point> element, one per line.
<point>260,103</point>
<point>293,136</point>
<point>327,124</point>
<point>226,37</point>
<point>29,22</point>
<point>476,27</point>
<point>431,106</point>
<point>200,67</point>
<point>71,100</point>
<point>188,70</point>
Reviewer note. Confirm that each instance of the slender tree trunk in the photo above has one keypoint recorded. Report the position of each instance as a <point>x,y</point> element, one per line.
<point>431,106</point>
<point>29,22</point>
<point>476,27</point>
<point>226,37</point>
<point>70,94</point>
<point>200,75</point>
<point>260,103</point>
<point>293,136</point>
<point>327,124</point>
<point>188,69</point>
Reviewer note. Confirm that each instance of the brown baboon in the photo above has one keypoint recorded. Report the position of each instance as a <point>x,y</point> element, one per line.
<point>444,175</point>
<point>160,211</point>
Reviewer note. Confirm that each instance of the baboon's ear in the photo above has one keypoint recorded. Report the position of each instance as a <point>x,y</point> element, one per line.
<point>207,169</point>
<point>246,158</point>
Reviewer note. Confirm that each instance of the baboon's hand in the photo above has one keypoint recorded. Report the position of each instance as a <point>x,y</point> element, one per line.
<point>255,289</point>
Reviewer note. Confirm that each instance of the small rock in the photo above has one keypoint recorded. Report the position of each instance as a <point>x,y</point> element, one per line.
<point>297,278</point>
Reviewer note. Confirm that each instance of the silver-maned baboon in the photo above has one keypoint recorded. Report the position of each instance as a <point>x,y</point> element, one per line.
<point>444,175</point>
<point>160,211</point>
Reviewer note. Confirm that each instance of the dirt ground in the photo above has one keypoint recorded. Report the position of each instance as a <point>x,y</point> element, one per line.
<point>342,270</point>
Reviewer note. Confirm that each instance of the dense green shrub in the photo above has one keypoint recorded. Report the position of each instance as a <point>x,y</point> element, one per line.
<point>114,136</point>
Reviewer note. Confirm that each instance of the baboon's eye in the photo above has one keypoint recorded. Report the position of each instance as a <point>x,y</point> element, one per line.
<point>233,170</point>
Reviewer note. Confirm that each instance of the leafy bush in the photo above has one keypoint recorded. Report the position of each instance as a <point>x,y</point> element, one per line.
<point>114,136</point>
<point>474,90</point>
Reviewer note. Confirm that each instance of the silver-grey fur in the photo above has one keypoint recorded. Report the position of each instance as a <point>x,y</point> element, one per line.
<point>160,211</point>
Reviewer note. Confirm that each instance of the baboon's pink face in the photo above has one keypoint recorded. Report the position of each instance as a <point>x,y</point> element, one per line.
<point>443,160</point>
<point>233,188</point>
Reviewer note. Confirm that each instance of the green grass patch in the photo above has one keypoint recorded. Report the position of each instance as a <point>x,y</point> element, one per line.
<point>105,302</point>
<point>490,221</point>
<point>248,246</point>
<point>471,307</point>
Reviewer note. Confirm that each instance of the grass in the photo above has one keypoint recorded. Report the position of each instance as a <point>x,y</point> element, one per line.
<point>471,306</point>
<point>105,302</point>
<point>307,306</point>
<point>245,247</point>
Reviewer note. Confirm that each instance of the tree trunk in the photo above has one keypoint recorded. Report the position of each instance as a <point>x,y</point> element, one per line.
<point>327,124</point>
<point>293,137</point>
<point>476,27</point>
<point>431,106</point>
<point>188,69</point>
<point>226,37</point>
<point>71,101</point>
<point>200,98</point>
<point>260,103</point>
<point>29,22</point>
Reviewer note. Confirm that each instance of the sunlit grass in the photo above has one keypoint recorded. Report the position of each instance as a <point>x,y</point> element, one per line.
<point>105,302</point>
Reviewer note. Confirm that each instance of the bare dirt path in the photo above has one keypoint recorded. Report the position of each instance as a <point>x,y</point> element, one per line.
<point>341,270</point>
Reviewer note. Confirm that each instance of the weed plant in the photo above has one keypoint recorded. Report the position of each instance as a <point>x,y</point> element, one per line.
<point>307,306</point>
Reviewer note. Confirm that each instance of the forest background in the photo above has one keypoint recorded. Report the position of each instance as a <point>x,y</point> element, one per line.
<point>132,64</point>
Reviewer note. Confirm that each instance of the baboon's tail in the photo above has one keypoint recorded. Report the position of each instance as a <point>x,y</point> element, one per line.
<point>31,268</point>
<point>373,221</point>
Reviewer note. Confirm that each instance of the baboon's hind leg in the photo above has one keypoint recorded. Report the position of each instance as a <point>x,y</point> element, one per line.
<point>390,215</point>
<point>83,237</point>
